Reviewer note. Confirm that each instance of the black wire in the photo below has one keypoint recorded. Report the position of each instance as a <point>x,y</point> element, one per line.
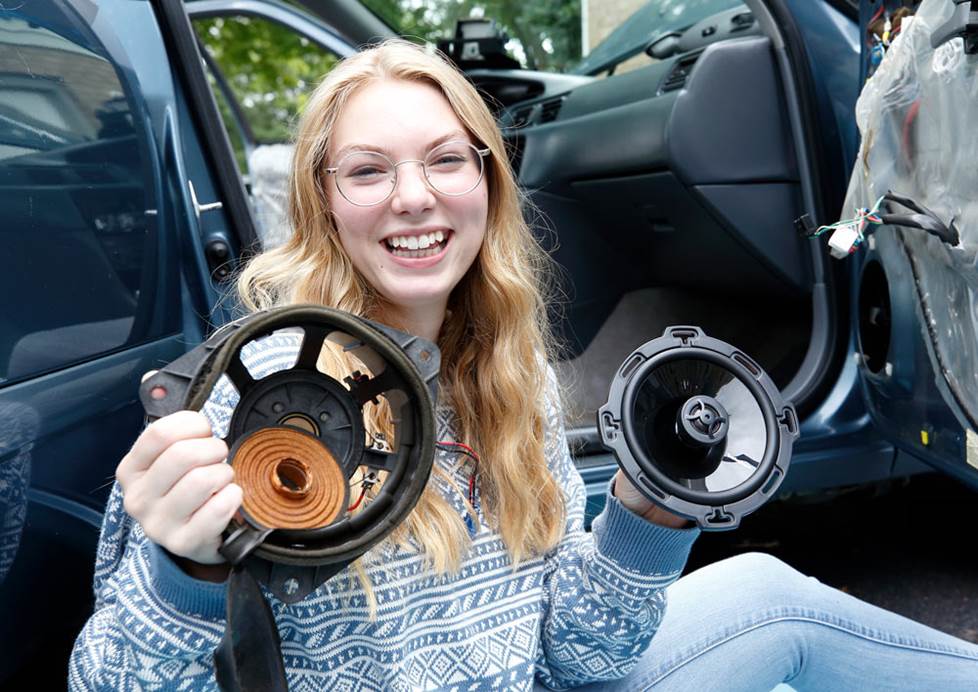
<point>447,447</point>
<point>451,447</point>
<point>923,218</point>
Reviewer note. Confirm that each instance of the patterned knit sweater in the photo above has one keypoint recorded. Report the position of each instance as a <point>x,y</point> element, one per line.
<point>583,612</point>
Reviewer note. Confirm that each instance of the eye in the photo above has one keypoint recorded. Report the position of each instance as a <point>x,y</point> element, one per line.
<point>365,168</point>
<point>364,172</point>
<point>448,160</point>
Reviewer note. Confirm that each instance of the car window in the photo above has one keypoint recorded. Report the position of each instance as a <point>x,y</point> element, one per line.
<point>81,261</point>
<point>262,73</point>
<point>652,20</point>
<point>269,69</point>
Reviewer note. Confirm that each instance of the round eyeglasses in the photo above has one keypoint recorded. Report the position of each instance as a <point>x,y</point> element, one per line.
<point>366,178</point>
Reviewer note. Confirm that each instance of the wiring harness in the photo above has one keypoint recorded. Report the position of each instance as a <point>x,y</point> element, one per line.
<point>848,234</point>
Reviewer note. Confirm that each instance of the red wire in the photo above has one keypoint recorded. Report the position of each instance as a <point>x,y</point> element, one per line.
<point>359,500</point>
<point>461,446</point>
<point>907,133</point>
<point>878,13</point>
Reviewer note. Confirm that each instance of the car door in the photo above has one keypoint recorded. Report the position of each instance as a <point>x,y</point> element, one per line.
<point>109,197</point>
<point>914,311</point>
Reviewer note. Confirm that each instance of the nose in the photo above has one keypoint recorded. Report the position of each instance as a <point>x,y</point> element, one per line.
<point>412,194</point>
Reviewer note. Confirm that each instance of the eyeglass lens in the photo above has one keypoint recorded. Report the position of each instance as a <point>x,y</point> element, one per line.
<point>367,178</point>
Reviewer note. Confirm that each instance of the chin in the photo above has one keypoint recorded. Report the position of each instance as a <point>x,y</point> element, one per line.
<point>413,298</point>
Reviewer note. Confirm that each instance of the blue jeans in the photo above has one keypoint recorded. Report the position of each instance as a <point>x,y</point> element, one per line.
<point>751,622</point>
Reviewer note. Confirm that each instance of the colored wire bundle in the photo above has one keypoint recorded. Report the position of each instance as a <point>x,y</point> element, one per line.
<point>864,217</point>
<point>848,234</point>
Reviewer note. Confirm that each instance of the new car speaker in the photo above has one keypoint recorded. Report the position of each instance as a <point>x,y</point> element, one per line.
<point>698,427</point>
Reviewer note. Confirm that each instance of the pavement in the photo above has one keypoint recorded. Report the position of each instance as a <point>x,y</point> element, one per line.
<point>908,546</point>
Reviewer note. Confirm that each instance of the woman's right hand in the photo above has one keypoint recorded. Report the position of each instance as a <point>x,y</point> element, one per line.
<point>177,485</point>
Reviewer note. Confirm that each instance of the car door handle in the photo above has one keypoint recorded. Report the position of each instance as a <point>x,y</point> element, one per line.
<point>198,207</point>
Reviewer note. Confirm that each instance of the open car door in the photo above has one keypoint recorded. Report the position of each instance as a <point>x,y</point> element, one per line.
<point>915,311</point>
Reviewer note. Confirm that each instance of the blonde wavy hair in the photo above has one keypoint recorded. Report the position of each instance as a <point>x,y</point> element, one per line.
<point>495,341</point>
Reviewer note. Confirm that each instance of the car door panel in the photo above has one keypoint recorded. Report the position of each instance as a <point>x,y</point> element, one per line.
<point>913,313</point>
<point>100,286</point>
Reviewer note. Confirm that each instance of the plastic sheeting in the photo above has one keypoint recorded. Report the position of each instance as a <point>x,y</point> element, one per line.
<point>918,117</point>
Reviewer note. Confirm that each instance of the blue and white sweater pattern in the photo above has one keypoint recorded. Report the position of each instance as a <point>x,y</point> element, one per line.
<point>583,612</point>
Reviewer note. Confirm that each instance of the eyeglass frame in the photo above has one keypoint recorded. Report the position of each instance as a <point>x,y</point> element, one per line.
<point>483,153</point>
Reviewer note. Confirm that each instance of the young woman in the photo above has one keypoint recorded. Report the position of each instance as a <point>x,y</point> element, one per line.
<point>405,211</point>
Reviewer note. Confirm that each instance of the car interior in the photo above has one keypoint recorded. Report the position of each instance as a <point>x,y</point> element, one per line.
<point>688,168</point>
<point>692,176</point>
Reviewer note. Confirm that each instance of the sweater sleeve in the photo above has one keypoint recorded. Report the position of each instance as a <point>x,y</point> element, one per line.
<point>154,627</point>
<point>605,590</point>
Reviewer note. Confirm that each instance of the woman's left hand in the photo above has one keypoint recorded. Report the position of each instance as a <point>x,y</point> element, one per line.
<point>636,502</point>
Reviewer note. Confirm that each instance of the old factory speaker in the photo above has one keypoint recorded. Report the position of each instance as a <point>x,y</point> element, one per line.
<point>305,457</point>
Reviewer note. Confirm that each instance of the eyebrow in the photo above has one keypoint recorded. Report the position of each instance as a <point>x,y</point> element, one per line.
<point>453,135</point>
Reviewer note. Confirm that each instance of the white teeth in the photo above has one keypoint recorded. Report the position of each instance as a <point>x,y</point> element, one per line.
<point>416,242</point>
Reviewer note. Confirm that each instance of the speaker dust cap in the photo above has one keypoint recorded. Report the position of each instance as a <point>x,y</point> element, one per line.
<point>698,427</point>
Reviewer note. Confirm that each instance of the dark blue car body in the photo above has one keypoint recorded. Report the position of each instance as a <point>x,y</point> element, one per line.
<point>112,257</point>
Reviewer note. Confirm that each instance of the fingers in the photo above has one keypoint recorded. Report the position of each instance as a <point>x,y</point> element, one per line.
<point>189,520</point>
<point>180,459</point>
<point>211,519</point>
<point>194,489</point>
<point>157,437</point>
<point>177,485</point>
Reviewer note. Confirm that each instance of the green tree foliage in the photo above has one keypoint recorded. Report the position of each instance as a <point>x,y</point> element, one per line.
<point>270,69</point>
<point>548,32</point>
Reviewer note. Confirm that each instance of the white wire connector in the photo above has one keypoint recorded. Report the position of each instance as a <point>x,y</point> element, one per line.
<point>848,234</point>
<point>844,240</point>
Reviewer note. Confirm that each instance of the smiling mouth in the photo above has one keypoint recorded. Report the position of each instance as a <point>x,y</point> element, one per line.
<point>417,247</point>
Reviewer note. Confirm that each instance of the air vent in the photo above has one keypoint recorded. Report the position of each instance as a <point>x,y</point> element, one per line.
<point>676,79</point>
<point>550,109</point>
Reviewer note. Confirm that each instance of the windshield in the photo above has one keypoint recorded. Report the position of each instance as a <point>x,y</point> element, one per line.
<point>652,20</point>
<point>547,34</point>
<point>543,34</point>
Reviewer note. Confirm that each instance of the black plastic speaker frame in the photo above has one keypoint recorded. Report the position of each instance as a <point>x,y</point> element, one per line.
<point>293,563</point>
